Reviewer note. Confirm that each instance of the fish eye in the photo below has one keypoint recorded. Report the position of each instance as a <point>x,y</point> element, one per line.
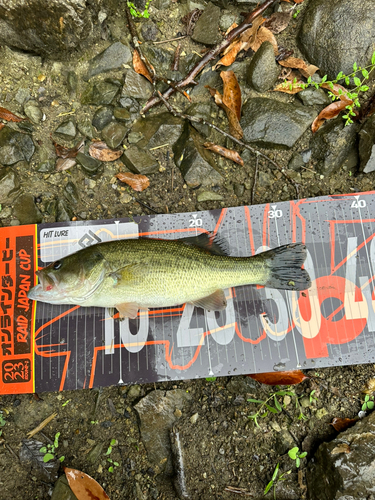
<point>57,265</point>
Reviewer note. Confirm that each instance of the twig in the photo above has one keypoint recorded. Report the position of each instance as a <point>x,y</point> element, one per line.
<point>170,39</point>
<point>195,119</point>
<point>10,450</point>
<point>176,59</point>
<point>42,425</point>
<point>146,206</point>
<point>239,491</point>
<point>211,54</point>
<point>255,181</point>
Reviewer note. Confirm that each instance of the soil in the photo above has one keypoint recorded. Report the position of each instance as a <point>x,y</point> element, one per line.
<point>227,455</point>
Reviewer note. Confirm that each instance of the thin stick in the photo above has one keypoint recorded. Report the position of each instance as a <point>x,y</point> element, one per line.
<point>255,181</point>
<point>194,119</point>
<point>170,40</point>
<point>211,54</point>
<point>42,425</point>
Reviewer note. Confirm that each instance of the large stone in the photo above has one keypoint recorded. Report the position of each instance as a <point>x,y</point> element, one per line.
<point>62,490</point>
<point>99,93</point>
<point>26,211</point>
<point>367,146</point>
<point>157,414</point>
<point>111,58</point>
<point>195,162</point>
<point>274,124</point>
<point>47,27</point>
<point>9,185</point>
<point>139,161</point>
<point>338,33</point>
<point>263,71</point>
<point>15,146</point>
<point>136,86</point>
<point>207,28</point>
<point>159,129</point>
<point>113,134</point>
<point>334,145</point>
<point>340,475</point>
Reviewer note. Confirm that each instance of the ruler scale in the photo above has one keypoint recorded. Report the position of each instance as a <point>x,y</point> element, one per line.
<point>50,348</point>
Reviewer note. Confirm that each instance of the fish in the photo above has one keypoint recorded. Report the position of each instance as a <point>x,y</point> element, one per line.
<point>137,274</point>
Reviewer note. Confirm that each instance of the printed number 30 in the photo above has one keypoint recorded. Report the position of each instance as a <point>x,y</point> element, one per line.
<point>275,214</point>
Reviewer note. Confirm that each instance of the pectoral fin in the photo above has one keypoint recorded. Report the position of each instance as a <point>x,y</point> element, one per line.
<point>127,310</point>
<point>214,302</point>
<point>126,274</point>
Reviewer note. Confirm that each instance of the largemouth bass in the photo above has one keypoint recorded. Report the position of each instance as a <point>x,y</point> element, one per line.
<point>141,273</point>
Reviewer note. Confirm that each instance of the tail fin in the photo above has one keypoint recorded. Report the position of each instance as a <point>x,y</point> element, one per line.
<point>285,267</point>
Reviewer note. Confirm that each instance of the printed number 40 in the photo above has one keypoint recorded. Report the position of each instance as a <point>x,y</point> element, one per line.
<point>358,204</point>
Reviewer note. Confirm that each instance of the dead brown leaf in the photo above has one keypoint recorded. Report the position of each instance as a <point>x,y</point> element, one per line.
<point>64,164</point>
<point>232,92</point>
<point>7,115</point>
<point>341,448</point>
<point>102,152</point>
<point>136,181</point>
<point>297,63</point>
<point>227,153</point>
<point>329,112</point>
<point>2,125</point>
<point>140,67</point>
<point>341,424</point>
<point>280,378</point>
<point>370,386</point>
<point>264,35</point>
<point>64,152</point>
<point>84,486</point>
<point>234,125</point>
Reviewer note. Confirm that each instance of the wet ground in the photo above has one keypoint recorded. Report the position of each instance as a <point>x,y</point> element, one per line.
<point>226,455</point>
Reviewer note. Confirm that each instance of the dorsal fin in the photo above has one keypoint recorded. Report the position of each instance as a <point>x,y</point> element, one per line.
<point>213,243</point>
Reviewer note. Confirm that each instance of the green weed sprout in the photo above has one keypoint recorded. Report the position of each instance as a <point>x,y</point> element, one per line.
<point>266,407</point>
<point>275,479</point>
<point>109,451</point>
<point>136,13</point>
<point>368,403</point>
<point>295,455</point>
<point>50,449</point>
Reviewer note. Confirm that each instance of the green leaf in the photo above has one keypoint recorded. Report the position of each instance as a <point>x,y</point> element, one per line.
<point>275,472</point>
<point>298,462</point>
<point>309,79</point>
<point>364,407</point>
<point>331,85</point>
<point>347,80</point>
<point>357,81</point>
<point>293,452</point>
<point>340,75</point>
<point>56,442</point>
<point>271,409</point>
<point>43,450</point>
<point>373,58</point>
<point>367,398</point>
<point>110,469</point>
<point>324,79</point>
<point>268,487</point>
<point>370,405</point>
<point>47,457</point>
<point>210,379</point>
<point>277,404</point>
<point>365,73</point>
<point>364,88</point>
<point>62,458</point>
<point>116,464</point>
<point>302,455</point>
<point>355,67</point>
<point>250,400</point>
<point>113,442</point>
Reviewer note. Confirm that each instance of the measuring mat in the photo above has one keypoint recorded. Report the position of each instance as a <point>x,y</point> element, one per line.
<point>52,348</point>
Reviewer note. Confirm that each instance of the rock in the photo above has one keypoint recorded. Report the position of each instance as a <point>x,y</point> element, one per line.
<point>62,490</point>
<point>99,93</point>
<point>156,412</point>
<point>85,127</point>
<point>274,124</point>
<point>206,30</point>
<point>46,166</point>
<point>113,134</point>
<point>33,111</point>
<point>135,137</point>
<point>130,104</point>
<point>335,475</point>
<point>367,146</point>
<point>311,96</point>
<point>47,27</point>
<point>284,442</point>
<point>149,31</point>
<point>210,78</point>
<point>139,161</point>
<point>95,453</point>
<point>207,111</point>
<point>15,146</point>
<point>158,57</point>
<point>89,164</point>
<point>72,82</point>
<point>9,185</point>
<point>337,33</point>
<point>134,392</point>
<point>136,86</point>
<point>102,117</point>
<point>263,71</point>
<point>162,4</point>
<point>71,192</point>
<point>239,189</point>
<point>111,58</point>
<point>121,114</point>
<point>22,96</point>
<point>158,129</point>
<point>296,162</point>
<point>195,162</point>
<point>227,19</point>
<point>208,196</point>
<point>26,211</point>
<point>66,130</point>
<point>64,212</point>
<point>333,145</point>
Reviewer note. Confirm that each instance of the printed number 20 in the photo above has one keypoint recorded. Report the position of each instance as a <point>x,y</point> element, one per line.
<point>195,222</point>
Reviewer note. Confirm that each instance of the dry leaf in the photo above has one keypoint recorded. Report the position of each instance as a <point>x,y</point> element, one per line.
<point>7,115</point>
<point>2,125</point>
<point>232,92</point>
<point>232,27</point>
<point>64,164</point>
<point>64,152</point>
<point>264,35</point>
<point>84,486</point>
<point>341,448</point>
<point>140,67</point>
<point>341,424</point>
<point>280,378</point>
<point>297,63</point>
<point>227,153</point>
<point>136,181</point>
<point>329,112</point>
<point>234,125</point>
<point>102,152</point>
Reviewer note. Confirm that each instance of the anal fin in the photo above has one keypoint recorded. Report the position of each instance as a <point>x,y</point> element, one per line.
<point>214,302</point>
